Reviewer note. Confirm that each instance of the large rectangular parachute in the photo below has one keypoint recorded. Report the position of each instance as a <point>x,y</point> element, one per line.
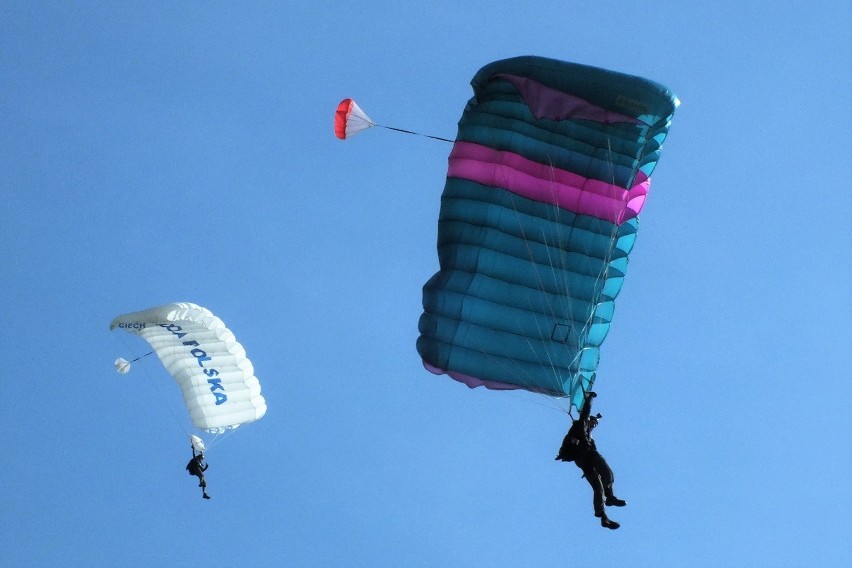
<point>547,176</point>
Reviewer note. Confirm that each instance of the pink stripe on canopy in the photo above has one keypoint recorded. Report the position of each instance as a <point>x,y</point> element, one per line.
<point>544,183</point>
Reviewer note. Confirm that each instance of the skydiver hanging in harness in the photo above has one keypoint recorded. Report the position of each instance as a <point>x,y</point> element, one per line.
<point>579,447</point>
<point>197,467</point>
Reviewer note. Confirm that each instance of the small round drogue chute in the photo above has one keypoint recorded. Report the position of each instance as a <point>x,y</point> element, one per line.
<point>349,119</point>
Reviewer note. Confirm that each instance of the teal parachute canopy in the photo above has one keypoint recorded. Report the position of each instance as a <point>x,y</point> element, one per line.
<point>547,176</point>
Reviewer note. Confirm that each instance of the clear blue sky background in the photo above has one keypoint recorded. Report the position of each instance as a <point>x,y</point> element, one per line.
<point>171,151</point>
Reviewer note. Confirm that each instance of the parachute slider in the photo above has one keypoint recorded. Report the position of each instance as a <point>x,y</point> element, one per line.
<point>197,443</point>
<point>562,333</point>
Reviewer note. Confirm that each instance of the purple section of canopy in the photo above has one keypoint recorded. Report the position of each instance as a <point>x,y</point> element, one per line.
<point>545,102</point>
<point>472,382</point>
<point>544,183</point>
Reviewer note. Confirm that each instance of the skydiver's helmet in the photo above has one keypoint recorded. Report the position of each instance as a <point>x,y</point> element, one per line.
<point>593,420</point>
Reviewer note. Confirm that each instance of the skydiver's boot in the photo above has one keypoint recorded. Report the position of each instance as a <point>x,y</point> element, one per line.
<point>613,501</point>
<point>205,495</point>
<point>607,523</point>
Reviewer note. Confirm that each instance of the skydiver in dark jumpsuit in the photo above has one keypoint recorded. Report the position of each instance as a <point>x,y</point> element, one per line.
<point>579,447</point>
<point>197,467</point>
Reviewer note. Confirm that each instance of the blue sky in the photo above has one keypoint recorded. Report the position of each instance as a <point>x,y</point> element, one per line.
<point>160,152</point>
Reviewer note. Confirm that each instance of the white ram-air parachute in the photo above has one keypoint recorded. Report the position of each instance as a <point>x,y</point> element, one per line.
<point>204,358</point>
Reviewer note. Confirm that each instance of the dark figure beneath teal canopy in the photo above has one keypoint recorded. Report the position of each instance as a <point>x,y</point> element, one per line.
<point>579,447</point>
<point>197,467</point>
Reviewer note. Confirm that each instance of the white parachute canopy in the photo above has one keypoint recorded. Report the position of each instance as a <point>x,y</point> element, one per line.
<point>204,358</point>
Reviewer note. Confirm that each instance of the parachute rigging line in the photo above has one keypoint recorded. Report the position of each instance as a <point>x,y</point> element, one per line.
<point>416,133</point>
<point>141,356</point>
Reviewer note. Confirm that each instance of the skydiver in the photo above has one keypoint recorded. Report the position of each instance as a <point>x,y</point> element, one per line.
<point>197,467</point>
<point>579,447</point>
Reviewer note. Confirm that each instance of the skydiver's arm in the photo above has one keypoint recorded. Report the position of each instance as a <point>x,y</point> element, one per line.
<point>587,408</point>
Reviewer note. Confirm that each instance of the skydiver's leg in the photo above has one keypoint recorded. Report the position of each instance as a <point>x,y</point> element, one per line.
<point>603,470</point>
<point>607,478</point>
<point>597,487</point>
<point>598,494</point>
